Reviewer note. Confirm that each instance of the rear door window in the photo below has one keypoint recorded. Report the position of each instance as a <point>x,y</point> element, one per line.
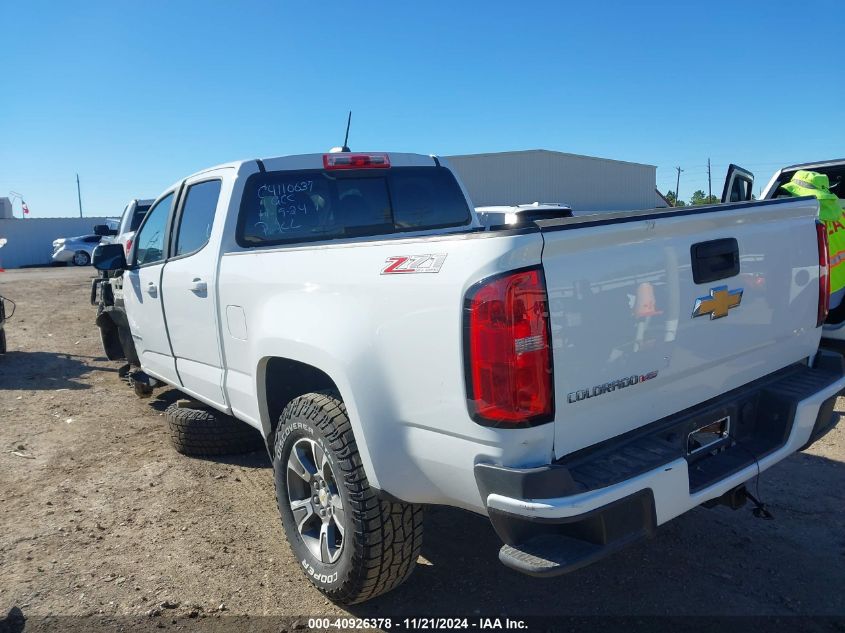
<point>282,207</point>
<point>197,216</point>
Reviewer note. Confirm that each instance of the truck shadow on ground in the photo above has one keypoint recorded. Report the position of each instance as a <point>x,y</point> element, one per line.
<point>44,371</point>
<point>706,562</point>
<point>164,398</point>
<point>256,459</point>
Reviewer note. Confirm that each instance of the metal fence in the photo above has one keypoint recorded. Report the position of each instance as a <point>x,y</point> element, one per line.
<point>29,242</point>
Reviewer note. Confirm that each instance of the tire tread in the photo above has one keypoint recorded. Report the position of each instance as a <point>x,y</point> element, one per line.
<point>388,534</point>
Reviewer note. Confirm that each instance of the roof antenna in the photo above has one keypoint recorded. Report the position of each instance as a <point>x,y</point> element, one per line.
<point>345,147</point>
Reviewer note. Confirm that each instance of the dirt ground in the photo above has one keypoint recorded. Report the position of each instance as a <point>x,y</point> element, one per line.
<point>100,517</point>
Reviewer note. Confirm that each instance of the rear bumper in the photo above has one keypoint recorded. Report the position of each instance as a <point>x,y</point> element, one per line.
<point>558,518</point>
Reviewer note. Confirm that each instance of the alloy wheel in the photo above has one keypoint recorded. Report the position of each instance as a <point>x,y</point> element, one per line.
<point>315,501</point>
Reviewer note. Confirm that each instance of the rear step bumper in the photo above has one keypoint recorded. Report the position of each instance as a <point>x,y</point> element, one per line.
<point>557,518</point>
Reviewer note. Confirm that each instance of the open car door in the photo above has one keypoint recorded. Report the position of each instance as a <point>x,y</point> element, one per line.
<point>739,184</point>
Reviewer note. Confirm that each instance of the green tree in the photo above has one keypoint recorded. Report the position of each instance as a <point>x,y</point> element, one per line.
<point>670,196</point>
<point>699,197</point>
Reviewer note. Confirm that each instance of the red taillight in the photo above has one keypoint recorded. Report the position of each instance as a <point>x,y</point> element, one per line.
<point>508,355</point>
<point>824,273</point>
<point>345,160</point>
<point>128,245</point>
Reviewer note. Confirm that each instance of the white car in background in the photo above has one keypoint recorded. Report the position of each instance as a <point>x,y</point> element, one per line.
<point>75,250</point>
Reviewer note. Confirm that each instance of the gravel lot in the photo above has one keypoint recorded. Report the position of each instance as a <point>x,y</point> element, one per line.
<point>101,517</point>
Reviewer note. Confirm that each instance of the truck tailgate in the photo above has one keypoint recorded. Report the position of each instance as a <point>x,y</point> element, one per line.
<point>627,349</point>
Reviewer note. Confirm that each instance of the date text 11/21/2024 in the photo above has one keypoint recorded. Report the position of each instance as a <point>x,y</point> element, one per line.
<point>421,623</point>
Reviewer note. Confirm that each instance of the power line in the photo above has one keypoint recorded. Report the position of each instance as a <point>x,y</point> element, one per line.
<point>709,182</point>
<point>704,167</point>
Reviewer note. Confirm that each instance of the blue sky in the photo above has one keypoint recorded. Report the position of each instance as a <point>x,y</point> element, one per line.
<point>135,95</point>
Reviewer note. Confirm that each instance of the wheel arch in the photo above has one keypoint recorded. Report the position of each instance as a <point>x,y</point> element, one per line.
<point>280,379</point>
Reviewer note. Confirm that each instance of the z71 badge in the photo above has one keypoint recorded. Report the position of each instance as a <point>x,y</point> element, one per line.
<point>405,264</point>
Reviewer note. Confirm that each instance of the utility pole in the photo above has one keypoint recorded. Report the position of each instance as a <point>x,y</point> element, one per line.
<point>709,184</point>
<point>79,195</point>
<point>677,185</point>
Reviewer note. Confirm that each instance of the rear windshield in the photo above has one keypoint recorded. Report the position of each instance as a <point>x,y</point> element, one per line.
<point>138,216</point>
<point>300,206</point>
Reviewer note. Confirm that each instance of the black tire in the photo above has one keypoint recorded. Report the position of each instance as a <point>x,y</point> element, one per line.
<point>109,336</point>
<point>204,432</point>
<point>381,540</point>
<point>81,258</point>
<point>2,341</point>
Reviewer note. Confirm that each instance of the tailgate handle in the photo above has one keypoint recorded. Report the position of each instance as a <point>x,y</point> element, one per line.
<point>713,260</point>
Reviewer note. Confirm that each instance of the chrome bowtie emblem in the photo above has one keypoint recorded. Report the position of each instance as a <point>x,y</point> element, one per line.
<point>718,303</point>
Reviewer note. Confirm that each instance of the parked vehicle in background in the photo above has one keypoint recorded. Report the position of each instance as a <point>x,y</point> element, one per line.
<point>515,215</point>
<point>111,321</point>
<point>738,188</point>
<point>833,169</point>
<point>578,380</point>
<point>107,290</point>
<point>133,214</point>
<point>739,182</point>
<point>75,250</point>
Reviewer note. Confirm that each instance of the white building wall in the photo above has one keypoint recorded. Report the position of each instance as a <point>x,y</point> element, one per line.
<point>5,209</point>
<point>29,242</point>
<point>583,182</point>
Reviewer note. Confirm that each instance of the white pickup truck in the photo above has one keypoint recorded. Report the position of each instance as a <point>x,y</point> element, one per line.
<point>578,380</point>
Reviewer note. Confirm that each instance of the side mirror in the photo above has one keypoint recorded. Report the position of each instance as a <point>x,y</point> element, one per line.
<point>104,230</point>
<point>109,257</point>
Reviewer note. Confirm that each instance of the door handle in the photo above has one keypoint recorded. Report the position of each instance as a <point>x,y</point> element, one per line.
<point>152,289</point>
<point>714,260</point>
<point>198,286</point>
